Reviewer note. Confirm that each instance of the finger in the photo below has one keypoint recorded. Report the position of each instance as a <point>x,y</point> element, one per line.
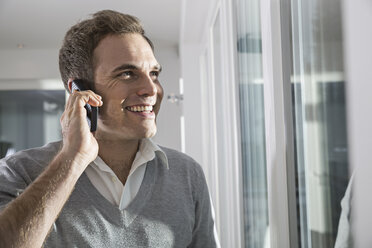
<point>73,97</point>
<point>93,95</point>
<point>68,102</point>
<point>81,98</point>
<point>95,100</point>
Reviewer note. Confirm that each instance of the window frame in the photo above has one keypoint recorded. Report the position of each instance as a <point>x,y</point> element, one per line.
<point>278,119</point>
<point>229,205</point>
<point>279,130</point>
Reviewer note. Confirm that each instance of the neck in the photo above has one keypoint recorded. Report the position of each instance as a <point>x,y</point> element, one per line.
<point>118,155</point>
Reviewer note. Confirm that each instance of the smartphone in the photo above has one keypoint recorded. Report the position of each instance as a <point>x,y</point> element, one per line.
<point>92,112</point>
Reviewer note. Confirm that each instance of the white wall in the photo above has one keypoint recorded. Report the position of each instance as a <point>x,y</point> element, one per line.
<point>194,21</point>
<point>29,64</point>
<point>192,101</point>
<point>169,127</point>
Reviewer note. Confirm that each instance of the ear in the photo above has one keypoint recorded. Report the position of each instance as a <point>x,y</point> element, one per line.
<point>69,84</point>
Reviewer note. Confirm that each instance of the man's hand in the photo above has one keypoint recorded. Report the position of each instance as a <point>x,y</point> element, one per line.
<point>78,142</point>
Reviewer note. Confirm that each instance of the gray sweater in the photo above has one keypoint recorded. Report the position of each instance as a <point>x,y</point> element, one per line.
<point>171,209</point>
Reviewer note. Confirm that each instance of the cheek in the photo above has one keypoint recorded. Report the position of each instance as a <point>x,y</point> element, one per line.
<point>111,108</point>
<point>115,98</point>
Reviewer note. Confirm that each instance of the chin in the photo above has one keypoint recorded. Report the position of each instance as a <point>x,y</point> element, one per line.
<point>150,133</point>
<point>133,133</point>
<point>144,132</point>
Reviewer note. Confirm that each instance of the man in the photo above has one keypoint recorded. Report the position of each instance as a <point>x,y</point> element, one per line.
<point>113,187</point>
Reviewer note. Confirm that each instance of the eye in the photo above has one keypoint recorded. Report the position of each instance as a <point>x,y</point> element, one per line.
<point>154,75</point>
<point>126,74</point>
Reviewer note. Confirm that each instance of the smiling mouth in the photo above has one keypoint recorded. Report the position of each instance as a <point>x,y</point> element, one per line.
<point>140,109</point>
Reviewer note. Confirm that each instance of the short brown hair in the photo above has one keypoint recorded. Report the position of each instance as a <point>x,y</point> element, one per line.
<point>76,53</point>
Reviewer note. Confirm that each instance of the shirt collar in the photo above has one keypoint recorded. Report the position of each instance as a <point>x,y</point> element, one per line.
<point>101,165</point>
<point>146,152</point>
<point>149,150</point>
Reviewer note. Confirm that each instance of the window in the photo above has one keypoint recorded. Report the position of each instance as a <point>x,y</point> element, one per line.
<point>319,119</point>
<point>29,118</point>
<point>252,123</point>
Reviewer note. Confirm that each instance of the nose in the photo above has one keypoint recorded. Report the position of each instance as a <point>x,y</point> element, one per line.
<point>147,87</point>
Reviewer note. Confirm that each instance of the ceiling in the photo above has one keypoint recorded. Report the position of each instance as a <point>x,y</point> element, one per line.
<point>41,24</point>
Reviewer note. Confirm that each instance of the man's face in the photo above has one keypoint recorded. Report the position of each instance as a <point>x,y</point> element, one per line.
<point>126,76</point>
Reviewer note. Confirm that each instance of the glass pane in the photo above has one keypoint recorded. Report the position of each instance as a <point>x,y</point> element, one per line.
<point>319,119</point>
<point>252,124</point>
<point>29,118</point>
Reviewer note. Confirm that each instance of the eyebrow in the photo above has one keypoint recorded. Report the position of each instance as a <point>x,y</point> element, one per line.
<point>134,67</point>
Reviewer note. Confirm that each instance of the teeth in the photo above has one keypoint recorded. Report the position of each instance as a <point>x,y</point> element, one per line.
<point>140,108</point>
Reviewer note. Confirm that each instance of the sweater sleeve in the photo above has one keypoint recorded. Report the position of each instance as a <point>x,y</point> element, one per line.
<point>204,233</point>
<point>344,233</point>
<point>20,169</point>
<point>11,183</point>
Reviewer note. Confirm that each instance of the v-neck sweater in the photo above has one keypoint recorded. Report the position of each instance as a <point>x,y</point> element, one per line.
<point>171,209</point>
<point>109,185</point>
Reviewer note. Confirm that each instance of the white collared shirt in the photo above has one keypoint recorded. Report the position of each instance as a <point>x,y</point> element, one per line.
<point>109,185</point>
